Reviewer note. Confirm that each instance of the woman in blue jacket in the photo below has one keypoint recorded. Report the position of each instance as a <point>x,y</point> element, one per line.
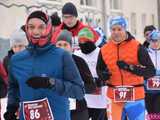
<point>42,77</point>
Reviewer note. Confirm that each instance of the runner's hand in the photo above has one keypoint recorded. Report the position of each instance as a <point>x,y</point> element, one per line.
<point>40,82</point>
<point>10,116</point>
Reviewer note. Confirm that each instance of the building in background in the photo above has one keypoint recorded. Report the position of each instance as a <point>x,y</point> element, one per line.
<point>138,13</point>
<point>158,3</point>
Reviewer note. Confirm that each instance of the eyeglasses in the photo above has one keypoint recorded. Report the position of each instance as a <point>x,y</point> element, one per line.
<point>67,16</point>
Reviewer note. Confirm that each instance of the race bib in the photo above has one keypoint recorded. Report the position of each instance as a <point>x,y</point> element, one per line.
<point>153,83</point>
<point>124,94</point>
<point>37,110</point>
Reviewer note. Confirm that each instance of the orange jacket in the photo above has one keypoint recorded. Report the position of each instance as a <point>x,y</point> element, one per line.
<point>128,52</point>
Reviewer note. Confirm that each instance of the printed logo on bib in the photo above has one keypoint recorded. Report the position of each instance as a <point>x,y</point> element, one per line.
<point>153,83</point>
<point>124,94</point>
<point>37,110</point>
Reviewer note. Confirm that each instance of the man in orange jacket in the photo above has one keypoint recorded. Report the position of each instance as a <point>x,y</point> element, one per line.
<point>128,63</point>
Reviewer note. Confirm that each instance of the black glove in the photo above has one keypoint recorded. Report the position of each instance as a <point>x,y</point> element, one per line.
<point>106,75</point>
<point>122,65</point>
<point>99,82</point>
<point>10,116</point>
<point>103,77</point>
<point>81,105</point>
<point>40,82</point>
<point>135,69</point>
<point>89,88</point>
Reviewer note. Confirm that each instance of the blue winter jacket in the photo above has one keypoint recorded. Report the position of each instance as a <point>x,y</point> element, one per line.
<point>53,62</point>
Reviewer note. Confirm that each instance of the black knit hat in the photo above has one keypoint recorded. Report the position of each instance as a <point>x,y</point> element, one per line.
<point>69,8</point>
<point>55,19</point>
<point>38,14</point>
<point>149,28</point>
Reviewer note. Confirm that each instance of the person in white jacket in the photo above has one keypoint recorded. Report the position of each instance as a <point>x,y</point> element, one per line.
<point>152,98</point>
<point>96,101</point>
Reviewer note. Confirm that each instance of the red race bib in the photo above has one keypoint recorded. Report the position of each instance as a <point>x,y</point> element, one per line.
<point>124,94</point>
<point>153,83</point>
<point>37,110</point>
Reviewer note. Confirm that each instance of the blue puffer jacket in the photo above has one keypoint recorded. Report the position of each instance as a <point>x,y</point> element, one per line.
<point>53,62</point>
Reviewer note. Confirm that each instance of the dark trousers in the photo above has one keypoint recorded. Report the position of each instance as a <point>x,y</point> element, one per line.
<point>152,102</point>
<point>79,115</point>
<point>97,114</point>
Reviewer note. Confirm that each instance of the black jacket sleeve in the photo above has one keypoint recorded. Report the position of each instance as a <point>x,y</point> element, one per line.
<point>146,44</point>
<point>3,88</point>
<point>146,67</point>
<point>5,63</point>
<point>85,73</point>
<point>102,70</point>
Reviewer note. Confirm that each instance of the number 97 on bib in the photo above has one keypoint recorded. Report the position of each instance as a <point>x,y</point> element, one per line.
<point>153,83</point>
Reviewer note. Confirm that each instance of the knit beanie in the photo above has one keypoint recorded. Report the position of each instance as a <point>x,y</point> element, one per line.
<point>85,34</point>
<point>55,19</point>
<point>118,20</point>
<point>38,14</point>
<point>69,8</point>
<point>18,38</point>
<point>65,35</point>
